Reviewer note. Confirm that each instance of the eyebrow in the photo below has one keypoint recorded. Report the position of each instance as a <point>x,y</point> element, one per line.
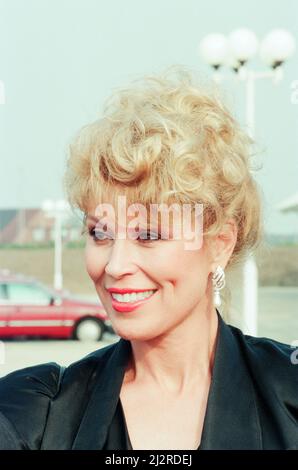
<point>101,224</point>
<point>95,219</point>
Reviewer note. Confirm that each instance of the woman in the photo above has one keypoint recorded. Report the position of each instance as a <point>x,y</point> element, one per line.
<point>179,377</point>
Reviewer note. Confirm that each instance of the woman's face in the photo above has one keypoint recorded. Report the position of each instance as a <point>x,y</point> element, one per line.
<point>179,277</point>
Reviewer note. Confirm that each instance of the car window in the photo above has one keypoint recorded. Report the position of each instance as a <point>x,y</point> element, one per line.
<point>27,294</point>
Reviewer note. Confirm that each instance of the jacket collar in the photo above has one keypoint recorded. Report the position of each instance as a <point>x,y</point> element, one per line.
<point>100,410</point>
<point>231,419</point>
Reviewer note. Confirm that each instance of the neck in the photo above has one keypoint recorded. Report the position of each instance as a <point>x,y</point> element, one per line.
<point>178,361</point>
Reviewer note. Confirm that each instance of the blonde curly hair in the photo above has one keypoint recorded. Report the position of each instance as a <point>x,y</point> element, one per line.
<point>169,139</point>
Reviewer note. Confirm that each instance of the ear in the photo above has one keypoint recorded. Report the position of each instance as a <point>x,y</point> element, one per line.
<point>223,244</point>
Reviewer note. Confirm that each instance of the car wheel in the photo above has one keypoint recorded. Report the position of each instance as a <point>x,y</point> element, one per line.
<point>89,329</point>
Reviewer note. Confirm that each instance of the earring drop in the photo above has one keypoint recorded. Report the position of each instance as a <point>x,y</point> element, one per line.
<point>219,282</point>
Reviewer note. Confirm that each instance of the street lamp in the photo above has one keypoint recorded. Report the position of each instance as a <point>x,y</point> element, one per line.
<point>56,210</point>
<point>234,52</point>
<point>214,49</point>
<point>277,46</point>
<point>243,45</point>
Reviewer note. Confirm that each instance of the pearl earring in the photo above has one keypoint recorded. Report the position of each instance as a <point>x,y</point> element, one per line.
<point>219,282</point>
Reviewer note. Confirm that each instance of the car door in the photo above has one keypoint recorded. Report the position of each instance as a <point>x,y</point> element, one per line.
<point>37,313</point>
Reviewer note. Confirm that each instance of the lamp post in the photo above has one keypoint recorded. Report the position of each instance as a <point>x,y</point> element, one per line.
<point>56,210</point>
<point>235,51</point>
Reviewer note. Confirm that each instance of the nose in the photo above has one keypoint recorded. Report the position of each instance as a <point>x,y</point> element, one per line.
<point>120,261</point>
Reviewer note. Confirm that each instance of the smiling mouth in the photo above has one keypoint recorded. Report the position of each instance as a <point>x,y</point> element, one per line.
<point>127,299</point>
<point>128,306</point>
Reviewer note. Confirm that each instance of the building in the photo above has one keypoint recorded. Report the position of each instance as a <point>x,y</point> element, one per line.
<point>22,226</point>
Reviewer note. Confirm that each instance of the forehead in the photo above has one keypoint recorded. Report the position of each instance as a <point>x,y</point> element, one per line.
<point>141,194</point>
<point>141,213</point>
<point>162,216</point>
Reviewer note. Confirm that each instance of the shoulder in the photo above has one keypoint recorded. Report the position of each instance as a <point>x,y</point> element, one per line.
<point>273,365</point>
<point>24,401</point>
<point>42,377</point>
<point>26,396</point>
<point>265,351</point>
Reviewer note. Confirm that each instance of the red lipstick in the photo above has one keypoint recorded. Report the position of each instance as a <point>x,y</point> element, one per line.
<point>116,290</point>
<point>128,306</point>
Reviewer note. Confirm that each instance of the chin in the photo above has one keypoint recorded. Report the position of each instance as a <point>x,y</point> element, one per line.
<point>134,334</point>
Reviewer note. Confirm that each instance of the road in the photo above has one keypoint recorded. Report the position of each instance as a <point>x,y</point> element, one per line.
<point>16,354</point>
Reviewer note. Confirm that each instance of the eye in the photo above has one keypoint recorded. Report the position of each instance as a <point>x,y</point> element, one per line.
<point>149,236</point>
<point>144,237</point>
<point>97,235</point>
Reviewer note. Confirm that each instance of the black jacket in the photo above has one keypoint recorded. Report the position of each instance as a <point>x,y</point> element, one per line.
<point>252,403</point>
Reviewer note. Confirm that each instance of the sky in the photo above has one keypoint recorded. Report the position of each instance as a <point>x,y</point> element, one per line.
<point>61,59</point>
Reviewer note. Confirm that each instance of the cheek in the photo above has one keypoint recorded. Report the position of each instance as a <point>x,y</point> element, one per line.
<point>193,272</point>
<point>184,273</point>
<point>94,262</point>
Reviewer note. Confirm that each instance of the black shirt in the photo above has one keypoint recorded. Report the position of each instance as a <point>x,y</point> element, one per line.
<point>118,437</point>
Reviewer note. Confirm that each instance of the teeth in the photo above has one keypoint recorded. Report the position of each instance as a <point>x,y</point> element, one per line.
<point>133,297</point>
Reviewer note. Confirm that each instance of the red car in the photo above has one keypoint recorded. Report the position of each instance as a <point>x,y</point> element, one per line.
<point>29,308</point>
